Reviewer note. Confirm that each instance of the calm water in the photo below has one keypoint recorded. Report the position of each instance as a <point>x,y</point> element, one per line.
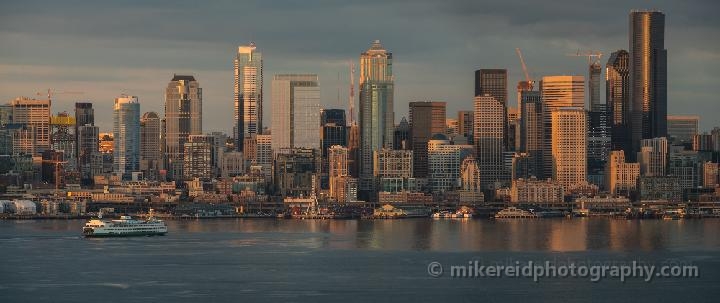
<point>233,260</point>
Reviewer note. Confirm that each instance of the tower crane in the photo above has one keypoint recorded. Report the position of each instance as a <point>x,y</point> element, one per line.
<point>592,56</point>
<point>51,92</point>
<point>528,83</point>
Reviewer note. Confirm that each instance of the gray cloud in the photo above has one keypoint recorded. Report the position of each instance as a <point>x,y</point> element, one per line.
<point>107,47</point>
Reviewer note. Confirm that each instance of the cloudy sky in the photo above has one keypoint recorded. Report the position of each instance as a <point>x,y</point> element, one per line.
<point>105,48</point>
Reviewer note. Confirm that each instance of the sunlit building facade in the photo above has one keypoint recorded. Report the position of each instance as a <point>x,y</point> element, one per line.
<point>295,111</point>
<point>126,136</point>
<point>569,155</point>
<point>377,86</point>
<point>648,76</point>
<point>248,93</point>
<point>183,117</point>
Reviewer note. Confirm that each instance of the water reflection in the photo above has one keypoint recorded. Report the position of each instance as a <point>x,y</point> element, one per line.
<point>555,235</point>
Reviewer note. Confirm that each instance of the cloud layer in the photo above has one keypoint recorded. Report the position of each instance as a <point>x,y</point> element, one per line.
<point>106,48</point>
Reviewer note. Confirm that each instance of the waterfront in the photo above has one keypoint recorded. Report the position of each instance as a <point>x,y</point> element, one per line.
<point>325,260</point>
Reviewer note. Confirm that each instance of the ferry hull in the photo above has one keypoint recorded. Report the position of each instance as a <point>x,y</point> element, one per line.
<point>117,235</point>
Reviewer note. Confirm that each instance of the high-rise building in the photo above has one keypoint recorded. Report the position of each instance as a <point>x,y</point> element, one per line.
<point>489,131</point>
<point>264,154</point>
<point>248,93</point>
<point>150,145</point>
<point>492,82</point>
<point>84,115</point>
<point>89,157</point>
<point>393,169</point>
<point>682,128</point>
<point>513,129</point>
<point>62,139</point>
<point>296,172</point>
<point>376,110</point>
<point>401,137</point>
<point>620,176</point>
<point>333,131</point>
<point>334,128</point>
<point>532,133</point>
<point>648,76</point>
<point>338,157</point>
<point>295,111</point>
<point>183,117</point>
<point>426,120</point>
<point>617,98</point>
<point>593,85</point>
<point>444,161</point>
<point>33,116</point>
<point>126,136</point>
<point>558,92</point>
<point>563,91</point>
<point>465,124</point>
<point>653,157</point>
<point>569,155</point>
<point>198,157</point>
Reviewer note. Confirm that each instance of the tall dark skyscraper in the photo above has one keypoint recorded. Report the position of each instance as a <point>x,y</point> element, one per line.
<point>401,138</point>
<point>86,142</point>
<point>492,82</point>
<point>333,131</point>
<point>648,76</point>
<point>532,132</point>
<point>426,120</point>
<point>617,98</point>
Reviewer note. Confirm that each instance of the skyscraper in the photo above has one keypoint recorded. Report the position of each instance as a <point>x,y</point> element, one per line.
<point>248,93</point>
<point>558,92</point>
<point>338,168</point>
<point>648,76</point>
<point>563,91</point>
<point>465,124</point>
<point>183,117</point>
<point>126,134</point>
<point>84,115</point>
<point>444,162</point>
<point>426,120</point>
<point>682,128</point>
<point>489,132</point>
<point>376,110</point>
<point>617,98</point>
<point>569,155</point>
<point>333,131</point>
<point>532,133</point>
<point>401,138</point>
<point>150,145</point>
<point>34,118</point>
<point>492,82</point>
<point>295,111</point>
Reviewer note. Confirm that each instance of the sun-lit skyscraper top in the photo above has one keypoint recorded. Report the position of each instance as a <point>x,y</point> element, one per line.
<point>248,93</point>
<point>563,91</point>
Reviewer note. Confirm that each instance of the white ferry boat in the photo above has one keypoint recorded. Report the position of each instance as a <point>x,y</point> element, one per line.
<point>514,212</point>
<point>126,226</point>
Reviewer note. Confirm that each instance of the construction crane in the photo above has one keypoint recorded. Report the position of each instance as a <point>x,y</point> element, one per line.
<point>351,108</point>
<point>51,92</point>
<point>592,56</point>
<point>528,84</point>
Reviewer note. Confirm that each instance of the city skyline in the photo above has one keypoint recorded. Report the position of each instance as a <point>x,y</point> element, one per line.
<point>143,71</point>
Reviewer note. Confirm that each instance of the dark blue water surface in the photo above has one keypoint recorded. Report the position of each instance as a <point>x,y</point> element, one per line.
<point>266,260</point>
